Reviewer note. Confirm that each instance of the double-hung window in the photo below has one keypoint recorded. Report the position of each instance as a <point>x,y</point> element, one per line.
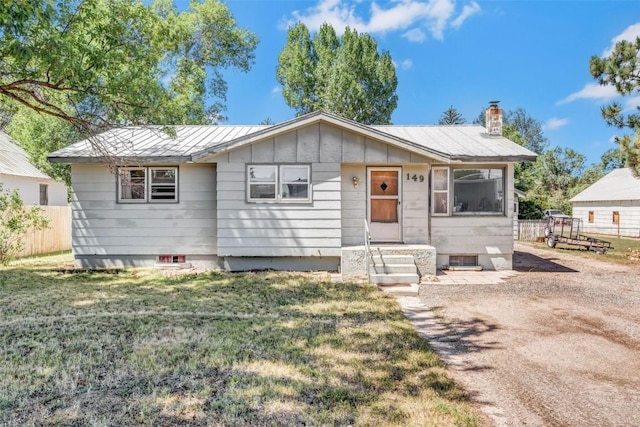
<point>279,183</point>
<point>148,184</point>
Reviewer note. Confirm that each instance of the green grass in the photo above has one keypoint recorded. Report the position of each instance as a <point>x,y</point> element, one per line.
<point>139,348</point>
<point>624,251</point>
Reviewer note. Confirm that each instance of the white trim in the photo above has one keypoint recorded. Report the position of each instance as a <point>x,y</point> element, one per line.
<point>278,182</point>
<point>385,232</point>
<point>434,191</point>
<point>148,173</point>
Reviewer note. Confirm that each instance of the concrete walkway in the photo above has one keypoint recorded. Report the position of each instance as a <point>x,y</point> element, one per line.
<point>451,278</point>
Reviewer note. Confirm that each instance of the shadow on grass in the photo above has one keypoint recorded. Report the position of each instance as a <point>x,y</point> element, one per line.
<point>527,262</point>
<point>215,348</point>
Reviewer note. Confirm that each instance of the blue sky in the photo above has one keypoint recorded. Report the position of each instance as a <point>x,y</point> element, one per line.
<point>529,54</point>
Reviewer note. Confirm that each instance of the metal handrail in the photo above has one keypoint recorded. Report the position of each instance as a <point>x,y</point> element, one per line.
<point>367,248</point>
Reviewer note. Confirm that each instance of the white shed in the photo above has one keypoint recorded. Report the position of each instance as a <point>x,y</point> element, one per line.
<point>16,173</point>
<point>611,205</point>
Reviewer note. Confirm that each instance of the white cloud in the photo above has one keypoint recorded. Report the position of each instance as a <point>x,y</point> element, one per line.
<point>631,104</point>
<point>276,90</point>
<point>554,123</point>
<point>415,35</point>
<point>592,91</point>
<point>630,33</point>
<point>467,11</point>
<point>434,16</point>
<point>406,64</point>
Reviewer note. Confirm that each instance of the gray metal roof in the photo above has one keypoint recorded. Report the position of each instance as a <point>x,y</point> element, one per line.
<point>150,143</point>
<point>15,161</point>
<point>191,143</point>
<point>460,142</point>
<point>617,185</point>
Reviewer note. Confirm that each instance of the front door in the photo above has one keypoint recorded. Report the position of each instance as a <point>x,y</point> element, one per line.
<point>384,204</point>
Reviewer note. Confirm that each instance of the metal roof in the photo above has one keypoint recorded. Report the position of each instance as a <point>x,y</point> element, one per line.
<point>191,143</point>
<point>617,185</point>
<point>460,142</point>
<point>15,161</point>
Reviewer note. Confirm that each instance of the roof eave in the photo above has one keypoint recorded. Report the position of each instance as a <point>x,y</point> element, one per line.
<point>122,160</point>
<point>494,159</point>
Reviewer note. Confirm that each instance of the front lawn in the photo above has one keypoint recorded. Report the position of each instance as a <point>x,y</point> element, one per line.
<point>139,348</point>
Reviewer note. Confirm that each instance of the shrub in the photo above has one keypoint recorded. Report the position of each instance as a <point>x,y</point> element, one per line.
<point>15,221</point>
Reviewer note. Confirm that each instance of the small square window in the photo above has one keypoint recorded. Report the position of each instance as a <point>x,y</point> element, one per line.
<point>616,217</point>
<point>279,183</point>
<point>147,184</point>
<point>591,216</point>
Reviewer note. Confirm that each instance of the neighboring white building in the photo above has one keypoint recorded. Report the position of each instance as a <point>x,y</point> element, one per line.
<point>296,195</point>
<point>34,186</point>
<point>611,205</point>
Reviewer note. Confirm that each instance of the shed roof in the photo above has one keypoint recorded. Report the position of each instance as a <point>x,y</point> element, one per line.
<point>200,143</point>
<point>15,161</point>
<point>619,184</point>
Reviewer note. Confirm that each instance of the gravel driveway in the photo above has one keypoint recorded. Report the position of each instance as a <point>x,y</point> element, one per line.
<point>556,345</point>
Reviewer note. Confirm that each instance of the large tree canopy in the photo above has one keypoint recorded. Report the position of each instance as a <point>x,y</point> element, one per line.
<point>621,70</point>
<point>345,76</point>
<point>100,63</point>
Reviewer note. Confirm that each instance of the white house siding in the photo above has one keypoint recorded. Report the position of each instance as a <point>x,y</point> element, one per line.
<point>29,189</point>
<point>317,229</point>
<point>414,199</point>
<point>107,233</point>
<point>629,211</point>
<point>488,237</point>
<point>257,235</point>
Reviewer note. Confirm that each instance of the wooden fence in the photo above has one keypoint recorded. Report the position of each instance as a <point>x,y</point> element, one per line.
<point>530,230</point>
<point>56,238</point>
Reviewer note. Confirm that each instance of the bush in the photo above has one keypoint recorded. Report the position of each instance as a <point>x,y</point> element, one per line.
<point>15,221</point>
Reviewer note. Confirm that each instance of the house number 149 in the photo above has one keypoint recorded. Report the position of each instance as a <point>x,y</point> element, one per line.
<point>415,177</point>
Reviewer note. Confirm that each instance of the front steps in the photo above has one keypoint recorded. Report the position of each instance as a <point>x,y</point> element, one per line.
<point>392,269</point>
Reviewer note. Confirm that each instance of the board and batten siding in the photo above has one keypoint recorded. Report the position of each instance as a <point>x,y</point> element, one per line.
<point>314,229</point>
<point>629,215</point>
<point>140,231</point>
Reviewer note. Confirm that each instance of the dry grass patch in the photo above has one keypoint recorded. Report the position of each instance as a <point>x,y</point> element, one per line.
<point>140,348</point>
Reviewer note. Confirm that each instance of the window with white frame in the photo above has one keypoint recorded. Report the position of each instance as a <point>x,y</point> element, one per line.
<point>440,193</point>
<point>279,183</point>
<point>156,184</point>
<point>475,191</point>
<point>478,191</point>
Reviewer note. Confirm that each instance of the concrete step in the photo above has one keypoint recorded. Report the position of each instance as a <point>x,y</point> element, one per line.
<point>394,268</point>
<point>392,259</point>
<point>389,279</point>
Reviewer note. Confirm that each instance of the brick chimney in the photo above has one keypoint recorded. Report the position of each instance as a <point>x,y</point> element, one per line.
<point>493,119</point>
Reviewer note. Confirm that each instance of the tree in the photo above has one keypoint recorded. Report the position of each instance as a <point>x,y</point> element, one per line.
<point>345,76</point>
<point>557,173</point>
<point>451,116</point>
<point>613,158</point>
<point>15,220</point>
<point>621,70</point>
<point>101,63</point>
<point>519,122</point>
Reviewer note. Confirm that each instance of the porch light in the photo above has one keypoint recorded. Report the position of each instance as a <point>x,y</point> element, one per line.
<point>356,181</point>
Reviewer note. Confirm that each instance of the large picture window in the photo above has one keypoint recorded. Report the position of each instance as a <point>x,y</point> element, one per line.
<point>148,184</point>
<point>478,191</point>
<point>278,183</point>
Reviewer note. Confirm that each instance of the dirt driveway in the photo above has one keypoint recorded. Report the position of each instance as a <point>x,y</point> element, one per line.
<point>556,345</point>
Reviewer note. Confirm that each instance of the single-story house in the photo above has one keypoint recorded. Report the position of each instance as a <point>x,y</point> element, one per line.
<point>17,173</point>
<point>316,192</point>
<point>611,205</point>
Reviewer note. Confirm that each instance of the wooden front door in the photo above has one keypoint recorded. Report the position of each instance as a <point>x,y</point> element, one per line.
<point>384,204</point>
